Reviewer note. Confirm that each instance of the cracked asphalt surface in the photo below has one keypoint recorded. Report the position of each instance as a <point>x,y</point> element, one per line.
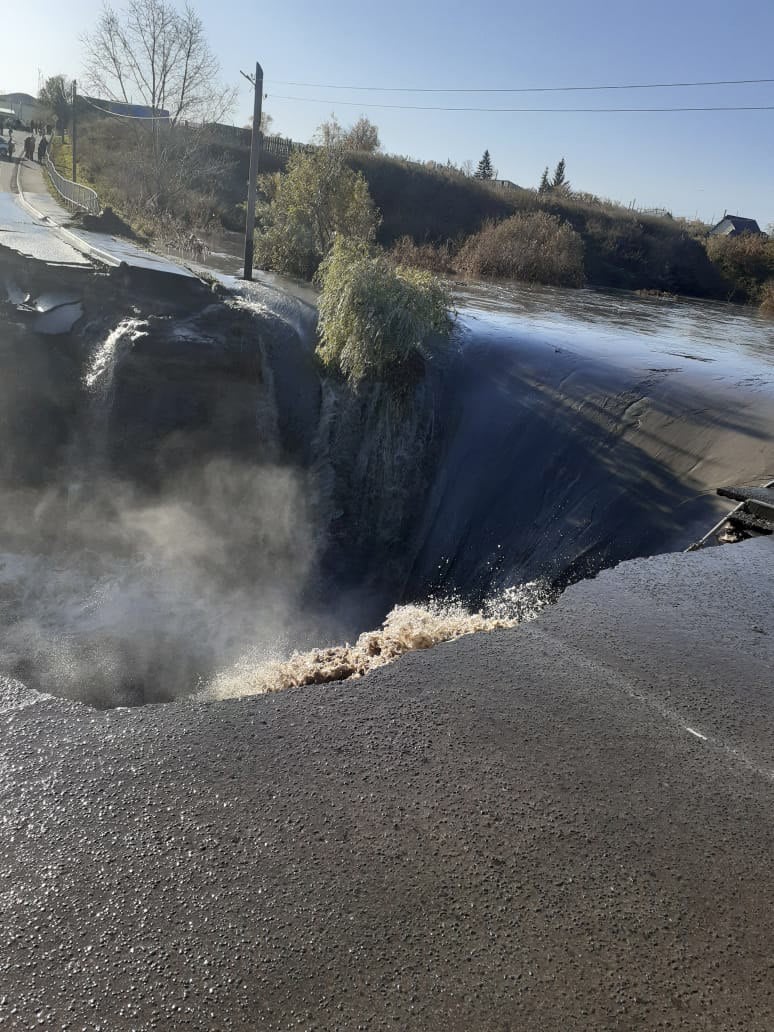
<point>20,232</point>
<point>46,242</point>
<point>564,826</point>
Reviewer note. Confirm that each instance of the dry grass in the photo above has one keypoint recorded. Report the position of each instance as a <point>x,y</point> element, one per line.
<point>438,258</point>
<point>427,213</point>
<point>62,157</point>
<point>746,263</point>
<point>767,297</point>
<point>112,161</point>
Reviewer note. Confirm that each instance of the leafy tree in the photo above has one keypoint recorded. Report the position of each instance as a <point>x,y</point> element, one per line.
<point>484,170</point>
<point>362,136</point>
<point>560,182</point>
<point>56,95</point>
<point>545,183</point>
<point>376,318</point>
<point>317,199</point>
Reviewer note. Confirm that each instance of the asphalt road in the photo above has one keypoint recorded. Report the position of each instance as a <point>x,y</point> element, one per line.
<point>565,826</point>
<point>56,241</point>
<point>20,231</point>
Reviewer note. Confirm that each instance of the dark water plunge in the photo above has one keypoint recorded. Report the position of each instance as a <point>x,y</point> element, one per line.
<point>184,499</point>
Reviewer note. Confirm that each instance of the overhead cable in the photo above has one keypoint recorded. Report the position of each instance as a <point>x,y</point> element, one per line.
<point>523,110</point>
<point>522,89</point>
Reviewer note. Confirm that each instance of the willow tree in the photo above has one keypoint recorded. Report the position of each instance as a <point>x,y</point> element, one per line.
<point>152,55</point>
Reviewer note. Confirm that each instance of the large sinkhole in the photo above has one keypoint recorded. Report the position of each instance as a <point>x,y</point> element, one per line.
<point>187,499</point>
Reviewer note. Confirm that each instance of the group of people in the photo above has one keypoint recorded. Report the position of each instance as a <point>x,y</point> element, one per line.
<point>29,148</point>
<point>38,128</point>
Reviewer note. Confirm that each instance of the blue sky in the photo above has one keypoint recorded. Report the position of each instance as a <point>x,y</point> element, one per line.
<point>692,163</point>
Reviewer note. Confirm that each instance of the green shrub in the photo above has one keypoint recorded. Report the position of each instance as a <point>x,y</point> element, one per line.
<point>376,319</point>
<point>746,262</point>
<point>318,198</point>
<point>535,248</point>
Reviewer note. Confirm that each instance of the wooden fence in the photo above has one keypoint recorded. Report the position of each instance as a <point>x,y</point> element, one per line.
<point>277,146</point>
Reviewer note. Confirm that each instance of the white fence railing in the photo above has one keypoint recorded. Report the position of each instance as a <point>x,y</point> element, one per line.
<point>74,194</point>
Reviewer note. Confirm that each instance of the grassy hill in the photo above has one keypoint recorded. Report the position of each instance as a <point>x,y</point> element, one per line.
<point>428,211</point>
<point>622,248</point>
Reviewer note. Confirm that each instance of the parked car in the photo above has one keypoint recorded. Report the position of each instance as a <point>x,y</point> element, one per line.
<point>3,147</point>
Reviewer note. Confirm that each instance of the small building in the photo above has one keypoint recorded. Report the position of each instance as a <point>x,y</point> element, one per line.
<point>735,225</point>
<point>23,107</point>
<point>117,107</point>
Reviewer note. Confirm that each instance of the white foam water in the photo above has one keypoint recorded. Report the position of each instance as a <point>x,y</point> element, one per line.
<point>130,329</point>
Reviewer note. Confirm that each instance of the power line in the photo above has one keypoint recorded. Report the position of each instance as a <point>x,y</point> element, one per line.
<point>523,89</point>
<point>524,110</point>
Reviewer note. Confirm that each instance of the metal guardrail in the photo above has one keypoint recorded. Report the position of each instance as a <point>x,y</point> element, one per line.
<point>74,194</point>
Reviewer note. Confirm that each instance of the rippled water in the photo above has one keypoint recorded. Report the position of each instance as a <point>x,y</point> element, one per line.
<point>624,324</point>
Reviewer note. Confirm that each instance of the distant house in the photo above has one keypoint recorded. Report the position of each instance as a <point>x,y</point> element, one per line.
<point>735,225</point>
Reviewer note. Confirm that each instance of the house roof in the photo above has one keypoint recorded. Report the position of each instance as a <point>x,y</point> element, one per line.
<point>740,224</point>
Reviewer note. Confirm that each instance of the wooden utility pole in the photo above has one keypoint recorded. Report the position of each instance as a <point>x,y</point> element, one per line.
<point>252,186</point>
<point>74,136</point>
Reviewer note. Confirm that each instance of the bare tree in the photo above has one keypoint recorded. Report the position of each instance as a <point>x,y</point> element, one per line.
<point>157,57</point>
<point>153,55</point>
<point>329,133</point>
